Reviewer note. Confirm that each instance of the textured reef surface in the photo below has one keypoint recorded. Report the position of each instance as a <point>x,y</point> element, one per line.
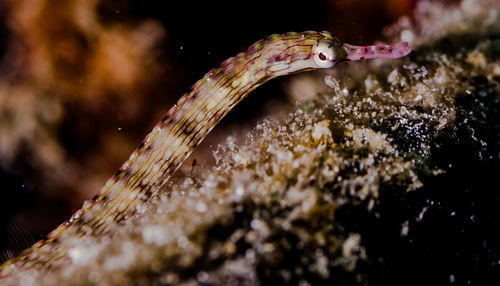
<point>385,173</point>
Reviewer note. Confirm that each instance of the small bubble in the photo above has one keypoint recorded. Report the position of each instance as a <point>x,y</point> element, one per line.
<point>239,191</point>
<point>452,278</point>
<point>407,36</point>
<point>250,254</point>
<point>182,242</point>
<point>405,229</point>
<point>255,223</point>
<point>201,207</point>
<point>202,276</point>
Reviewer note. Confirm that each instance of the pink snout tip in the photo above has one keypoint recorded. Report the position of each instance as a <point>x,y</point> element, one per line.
<point>401,49</point>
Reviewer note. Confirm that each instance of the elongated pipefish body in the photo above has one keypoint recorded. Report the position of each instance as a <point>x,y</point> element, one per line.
<point>187,123</point>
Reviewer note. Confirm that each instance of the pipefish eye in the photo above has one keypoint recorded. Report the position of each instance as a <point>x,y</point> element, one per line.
<point>324,54</point>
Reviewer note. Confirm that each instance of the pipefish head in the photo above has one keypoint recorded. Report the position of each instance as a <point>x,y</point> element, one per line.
<point>295,52</point>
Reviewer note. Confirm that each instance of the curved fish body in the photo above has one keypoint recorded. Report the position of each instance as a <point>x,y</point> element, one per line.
<point>187,123</point>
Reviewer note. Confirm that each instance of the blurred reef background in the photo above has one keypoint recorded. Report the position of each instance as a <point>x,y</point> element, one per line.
<point>382,172</point>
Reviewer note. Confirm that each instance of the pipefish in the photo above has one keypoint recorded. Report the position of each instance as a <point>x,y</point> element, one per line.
<point>187,123</point>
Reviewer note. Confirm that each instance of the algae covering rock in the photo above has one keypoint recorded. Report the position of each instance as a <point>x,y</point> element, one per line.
<point>388,174</point>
